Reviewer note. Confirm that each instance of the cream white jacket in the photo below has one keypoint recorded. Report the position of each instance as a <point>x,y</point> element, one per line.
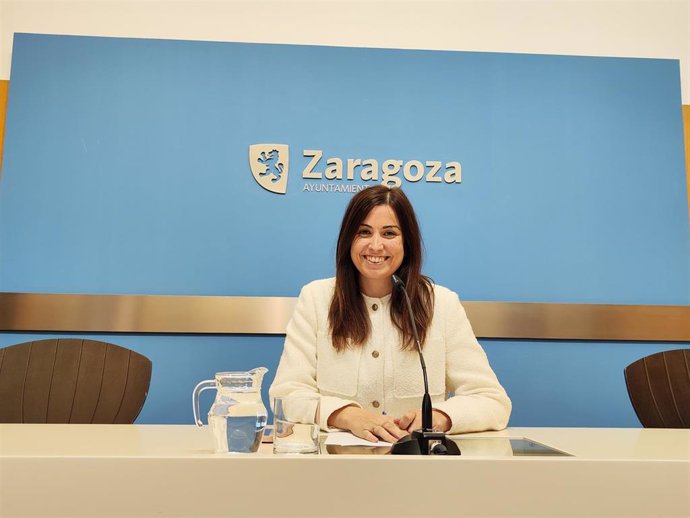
<point>379,376</point>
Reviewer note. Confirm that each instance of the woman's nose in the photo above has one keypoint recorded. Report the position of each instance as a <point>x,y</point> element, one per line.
<point>376,243</point>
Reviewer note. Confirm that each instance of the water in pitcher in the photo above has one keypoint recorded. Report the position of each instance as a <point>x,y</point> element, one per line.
<point>238,434</point>
<point>238,416</point>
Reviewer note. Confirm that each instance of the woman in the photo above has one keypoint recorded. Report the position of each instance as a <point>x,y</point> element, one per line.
<point>350,338</point>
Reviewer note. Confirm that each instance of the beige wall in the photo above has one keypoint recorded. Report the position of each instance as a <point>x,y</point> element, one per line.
<point>4,88</point>
<point>686,126</point>
<point>605,27</point>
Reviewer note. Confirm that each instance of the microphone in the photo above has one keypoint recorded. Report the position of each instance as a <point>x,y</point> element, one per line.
<point>427,416</point>
<point>425,441</point>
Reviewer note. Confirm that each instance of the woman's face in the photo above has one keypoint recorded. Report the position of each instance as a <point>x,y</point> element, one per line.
<point>377,251</point>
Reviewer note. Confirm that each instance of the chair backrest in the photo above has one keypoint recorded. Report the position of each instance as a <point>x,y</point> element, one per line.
<point>72,381</point>
<point>659,389</point>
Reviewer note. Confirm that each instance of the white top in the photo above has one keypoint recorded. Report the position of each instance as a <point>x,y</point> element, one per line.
<point>379,376</point>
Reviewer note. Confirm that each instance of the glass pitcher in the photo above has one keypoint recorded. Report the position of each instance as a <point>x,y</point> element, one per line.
<point>238,415</point>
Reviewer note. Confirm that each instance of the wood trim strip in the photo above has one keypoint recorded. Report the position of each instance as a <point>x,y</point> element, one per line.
<point>48,312</point>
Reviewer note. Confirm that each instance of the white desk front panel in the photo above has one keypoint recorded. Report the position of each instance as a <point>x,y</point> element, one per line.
<point>162,470</point>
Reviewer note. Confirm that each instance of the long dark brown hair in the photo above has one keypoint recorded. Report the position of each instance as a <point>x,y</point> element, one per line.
<point>348,317</point>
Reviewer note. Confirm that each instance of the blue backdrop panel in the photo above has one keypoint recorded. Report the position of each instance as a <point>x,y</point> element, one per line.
<point>550,383</point>
<point>128,160</point>
<point>126,170</point>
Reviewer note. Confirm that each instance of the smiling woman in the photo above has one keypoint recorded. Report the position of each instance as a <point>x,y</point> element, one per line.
<point>350,338</point>
<point>377,251</point>
<point>379,237</point>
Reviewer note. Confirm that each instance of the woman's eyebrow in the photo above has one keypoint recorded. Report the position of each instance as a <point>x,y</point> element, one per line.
<point>385,226</point>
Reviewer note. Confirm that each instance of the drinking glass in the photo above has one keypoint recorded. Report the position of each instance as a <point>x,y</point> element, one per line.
<point>296,424</point>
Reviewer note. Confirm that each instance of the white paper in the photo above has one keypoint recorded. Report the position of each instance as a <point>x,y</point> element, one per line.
<point>347,439</point>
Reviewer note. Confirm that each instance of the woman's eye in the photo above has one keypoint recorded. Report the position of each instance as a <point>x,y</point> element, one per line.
<point>390,233</point>
<point>363,232</point>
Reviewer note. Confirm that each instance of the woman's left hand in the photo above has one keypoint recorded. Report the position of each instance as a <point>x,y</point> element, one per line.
<point>413,421</point>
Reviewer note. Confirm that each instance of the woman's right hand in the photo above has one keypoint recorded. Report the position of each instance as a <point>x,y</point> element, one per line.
<point>366,425</point>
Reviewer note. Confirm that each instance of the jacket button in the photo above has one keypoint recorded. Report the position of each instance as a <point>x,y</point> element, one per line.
<point>375,307</point>
<point>375,354</point>
<point>375,404</point>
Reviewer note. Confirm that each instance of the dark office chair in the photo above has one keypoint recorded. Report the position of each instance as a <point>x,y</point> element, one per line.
<point>659,389</point>
<point>72,381</point>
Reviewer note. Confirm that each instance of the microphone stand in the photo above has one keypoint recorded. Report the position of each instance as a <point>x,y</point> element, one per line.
<point>425,441</point>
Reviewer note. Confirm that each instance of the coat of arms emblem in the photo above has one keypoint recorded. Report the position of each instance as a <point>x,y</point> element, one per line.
<point>269,165</point>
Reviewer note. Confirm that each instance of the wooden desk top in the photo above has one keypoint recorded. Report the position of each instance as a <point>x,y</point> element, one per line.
<point>166,470</point>
<point>189,441</point>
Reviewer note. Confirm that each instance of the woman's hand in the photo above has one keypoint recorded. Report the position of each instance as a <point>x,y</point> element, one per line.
<point>366,425</point>
<point>413,421</point>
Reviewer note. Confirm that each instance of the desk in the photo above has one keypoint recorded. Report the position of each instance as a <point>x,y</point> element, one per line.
<point>163,470</point>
